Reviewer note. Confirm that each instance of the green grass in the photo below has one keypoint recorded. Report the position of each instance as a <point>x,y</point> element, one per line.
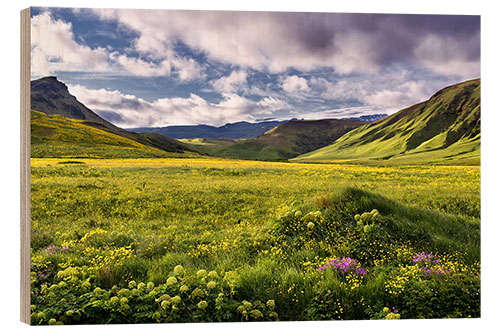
<point>207,145</point>
<point>57,136</point>
<point>444,129</point>
<point>286,140</point>
<point>279,144</point>
<point>135,220</point>
<point>442,232</point>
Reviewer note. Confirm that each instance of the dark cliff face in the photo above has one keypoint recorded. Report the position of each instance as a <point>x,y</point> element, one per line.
<point>49,83</point>
<point>51,96</point>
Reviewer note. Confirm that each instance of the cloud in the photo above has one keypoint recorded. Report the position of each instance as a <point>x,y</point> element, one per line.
<point>279,62</point>
<point>345,112</point>
<point>238,82</point>
<point>393,89</point>
<point>343,89</point>
<point>269,104</point>
<point>454,58</point>
<point>349,43</point>
<point>127,110</point>
<point>140,67</point>
<point>187,69</point>
<point>406,94</point>
<point>234,82</point>
<point>53,49</point>
<point>294,84</point>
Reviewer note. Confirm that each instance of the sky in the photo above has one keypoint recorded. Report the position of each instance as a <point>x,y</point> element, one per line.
<point>152,68</point>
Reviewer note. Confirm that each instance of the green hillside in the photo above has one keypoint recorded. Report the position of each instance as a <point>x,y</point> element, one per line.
<point>444,129</point>
<point>286,140</point>
<point>207,145</point>
<point>50,96</point>
<point>57,136</point>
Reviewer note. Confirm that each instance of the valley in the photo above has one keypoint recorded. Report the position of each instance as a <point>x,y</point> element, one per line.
<point>310,220</point>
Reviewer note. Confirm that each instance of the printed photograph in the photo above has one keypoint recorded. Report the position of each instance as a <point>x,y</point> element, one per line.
<point>193,166</point>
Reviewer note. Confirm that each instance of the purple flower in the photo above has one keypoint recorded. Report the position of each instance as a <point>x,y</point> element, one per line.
<point>430,268</point>
<point>343,265</point>
<point>53,249</point>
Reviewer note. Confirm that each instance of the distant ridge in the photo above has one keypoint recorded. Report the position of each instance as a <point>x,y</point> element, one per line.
<point>238,130</point>
<point>369,117</point>
<point>443,129</point>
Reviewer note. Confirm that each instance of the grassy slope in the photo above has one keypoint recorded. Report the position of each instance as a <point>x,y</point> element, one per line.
<point>442,232</point>
<point>287,140</point>
<point>50,96</point>
<point>444,129</point>
<point>57,136</point>
<point>207,145</point>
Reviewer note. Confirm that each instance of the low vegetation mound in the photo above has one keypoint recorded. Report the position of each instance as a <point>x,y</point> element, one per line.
<point>355,255</point>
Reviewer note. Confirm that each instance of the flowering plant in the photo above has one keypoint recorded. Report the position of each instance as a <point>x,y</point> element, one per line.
<point>429,264</point>
<point>54,249</point>
<point>343,265</point>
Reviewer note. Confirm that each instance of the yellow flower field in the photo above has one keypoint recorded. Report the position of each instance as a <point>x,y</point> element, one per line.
<point>263,228</point>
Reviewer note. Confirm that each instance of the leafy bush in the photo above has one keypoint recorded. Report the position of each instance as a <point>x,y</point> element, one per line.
<point>184,297</point>
<point>448,296</point>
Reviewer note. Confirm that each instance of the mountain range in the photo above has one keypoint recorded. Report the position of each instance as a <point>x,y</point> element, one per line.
<point>443,129</point>
<point>237,130</point>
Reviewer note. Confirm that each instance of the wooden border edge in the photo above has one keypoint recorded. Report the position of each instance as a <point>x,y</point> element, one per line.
<point>25,164</point>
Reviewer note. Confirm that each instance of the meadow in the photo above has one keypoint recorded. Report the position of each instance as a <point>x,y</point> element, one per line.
<point>208,239</point>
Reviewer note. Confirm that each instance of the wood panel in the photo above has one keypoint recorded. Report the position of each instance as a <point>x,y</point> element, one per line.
<point>25,164</point>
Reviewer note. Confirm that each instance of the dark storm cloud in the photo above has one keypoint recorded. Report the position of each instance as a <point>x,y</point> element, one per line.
<point>391,37</point>
<point>275,41</point>
<point>120,102</point>
<point>398,36</point>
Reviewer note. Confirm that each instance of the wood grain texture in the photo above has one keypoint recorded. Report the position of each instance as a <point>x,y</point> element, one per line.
<point>25,164</point>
